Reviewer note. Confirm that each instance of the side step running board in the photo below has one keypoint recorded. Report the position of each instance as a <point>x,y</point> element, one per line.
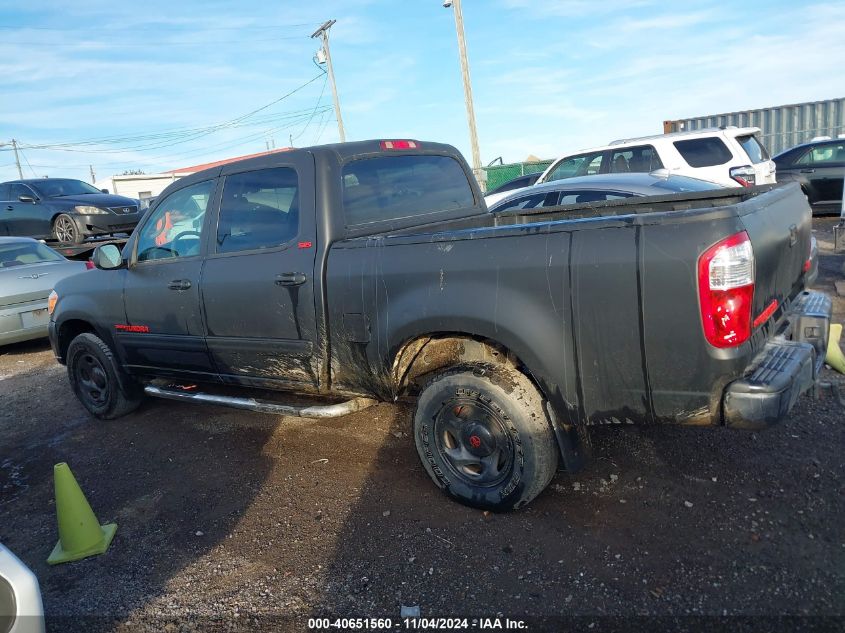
<point>262,406</point>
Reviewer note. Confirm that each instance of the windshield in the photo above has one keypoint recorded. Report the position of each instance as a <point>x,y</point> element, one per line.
<point>58,187</point>
<point>23,253</point>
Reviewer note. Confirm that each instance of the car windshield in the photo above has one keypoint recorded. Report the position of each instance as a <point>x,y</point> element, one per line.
<point>23,253</point>
<point>58,187</point>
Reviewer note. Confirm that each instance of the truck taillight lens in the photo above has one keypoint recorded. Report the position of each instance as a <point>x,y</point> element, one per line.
<point>726,290</point>
<point>51,302</point>
<point>399,145</point>
<point>746,176</point>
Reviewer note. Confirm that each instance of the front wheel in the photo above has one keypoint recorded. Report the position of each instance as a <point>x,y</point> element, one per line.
<point>98,381</point>
<point>483,437</point>
<point>65,230</point>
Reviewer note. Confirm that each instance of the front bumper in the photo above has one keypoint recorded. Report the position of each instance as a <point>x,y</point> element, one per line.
<point>786,367</point>
<point>103,224</point>
<point>53,335</point>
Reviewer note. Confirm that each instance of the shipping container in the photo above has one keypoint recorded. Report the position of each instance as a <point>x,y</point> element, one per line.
<point>781,127</point>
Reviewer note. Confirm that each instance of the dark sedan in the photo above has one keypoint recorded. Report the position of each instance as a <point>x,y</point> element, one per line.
<point>819,166</point>
<point>64,210</point>
<point>598,188</point>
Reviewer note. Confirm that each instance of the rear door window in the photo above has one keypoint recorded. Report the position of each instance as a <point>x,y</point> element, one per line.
<point>259,209</point>
<point>756,152</point>
<point>704,152</point>
<point>532,201</point>
<point>828,154</point>
<point>4,192</point>
<point>584,196</point>
<point>389,188</point>
<point>640,159</point>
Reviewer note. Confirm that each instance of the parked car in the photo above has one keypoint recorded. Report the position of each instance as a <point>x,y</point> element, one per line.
<point>369,271</point>
<point>21,609</point>
<point>63,209</point>
<point>494,195</point>
<point>599,188</point>
<point>730,156</point>
<point>819,166</point>
<point>28,272</point>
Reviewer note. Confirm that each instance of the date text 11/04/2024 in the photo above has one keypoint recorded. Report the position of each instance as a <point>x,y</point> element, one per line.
<point>431,624</point>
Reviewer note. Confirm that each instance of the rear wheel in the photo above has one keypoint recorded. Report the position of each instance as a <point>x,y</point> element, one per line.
<point>98,381</point>
<point>483,436</point>
<point>65,230</point>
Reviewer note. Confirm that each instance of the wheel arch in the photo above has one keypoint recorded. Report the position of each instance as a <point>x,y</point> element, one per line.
<point>68,330</point>
<point>425,355</point>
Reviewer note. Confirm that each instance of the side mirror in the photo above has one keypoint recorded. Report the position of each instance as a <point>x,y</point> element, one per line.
<point>104,190</point>
<point>108,257</point>
<point>26,199</point>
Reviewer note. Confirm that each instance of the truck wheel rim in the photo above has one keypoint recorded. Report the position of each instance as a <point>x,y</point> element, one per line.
<point>472,440</point>
<point>64,230</point>
<point>92,379</point>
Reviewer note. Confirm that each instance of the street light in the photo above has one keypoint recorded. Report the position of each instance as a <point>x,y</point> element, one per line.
<point>480,176</point>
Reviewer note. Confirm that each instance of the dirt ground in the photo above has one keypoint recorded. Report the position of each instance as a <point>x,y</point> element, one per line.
<point>245,521</point>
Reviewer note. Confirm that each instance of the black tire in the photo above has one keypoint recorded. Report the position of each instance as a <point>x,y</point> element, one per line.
<point>483,436</point>
<point>65,230</point>
<point>98,381</point>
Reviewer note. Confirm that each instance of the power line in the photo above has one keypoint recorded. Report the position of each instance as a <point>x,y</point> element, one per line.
<point>320,98</point>
<point>145,44</point>
<point>159,27</point>
<point>28,165</point>
<point>183,136</point>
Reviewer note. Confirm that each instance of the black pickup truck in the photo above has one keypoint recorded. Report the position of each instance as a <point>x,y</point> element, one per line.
<point>372,271</point>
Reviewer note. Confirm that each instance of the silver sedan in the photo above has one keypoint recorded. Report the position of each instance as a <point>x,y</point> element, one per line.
<point>28,272</point>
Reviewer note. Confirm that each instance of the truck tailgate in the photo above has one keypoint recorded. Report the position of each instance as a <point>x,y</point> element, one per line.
<point>780,229</point>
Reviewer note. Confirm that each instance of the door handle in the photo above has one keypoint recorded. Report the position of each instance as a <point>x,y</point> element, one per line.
<point>10,208</point>
<point>179,284</point>
<point>290,279</point>
<point>808,171</point>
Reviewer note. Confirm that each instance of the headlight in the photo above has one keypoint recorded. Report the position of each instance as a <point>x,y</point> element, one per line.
<point>51,302</point>
<point>85,210</point>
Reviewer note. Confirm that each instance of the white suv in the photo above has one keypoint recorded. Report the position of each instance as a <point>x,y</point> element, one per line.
<point>730,156</point>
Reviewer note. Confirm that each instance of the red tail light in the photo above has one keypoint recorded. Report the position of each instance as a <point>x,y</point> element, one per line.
<point>399,145</point>
<point>726,290</point>
<point>746,176</point>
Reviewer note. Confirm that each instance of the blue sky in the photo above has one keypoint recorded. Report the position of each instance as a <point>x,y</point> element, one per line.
<point>548,76</point>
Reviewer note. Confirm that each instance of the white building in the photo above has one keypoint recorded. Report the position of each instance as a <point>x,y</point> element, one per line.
<point>145,186</point>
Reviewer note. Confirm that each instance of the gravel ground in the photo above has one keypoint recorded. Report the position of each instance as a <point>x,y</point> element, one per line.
<point>240,521</point>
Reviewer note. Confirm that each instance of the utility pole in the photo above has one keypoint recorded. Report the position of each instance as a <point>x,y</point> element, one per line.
<point>93,175</point>
<point>323,33</point>
<point>17,159</point>
<point>462,51</point>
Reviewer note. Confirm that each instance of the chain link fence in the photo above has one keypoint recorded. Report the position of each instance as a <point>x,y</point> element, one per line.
<point>500,174</point>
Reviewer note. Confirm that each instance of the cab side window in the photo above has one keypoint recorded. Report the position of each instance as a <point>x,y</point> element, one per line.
<point>259,209</point>
<point>175,229</point>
